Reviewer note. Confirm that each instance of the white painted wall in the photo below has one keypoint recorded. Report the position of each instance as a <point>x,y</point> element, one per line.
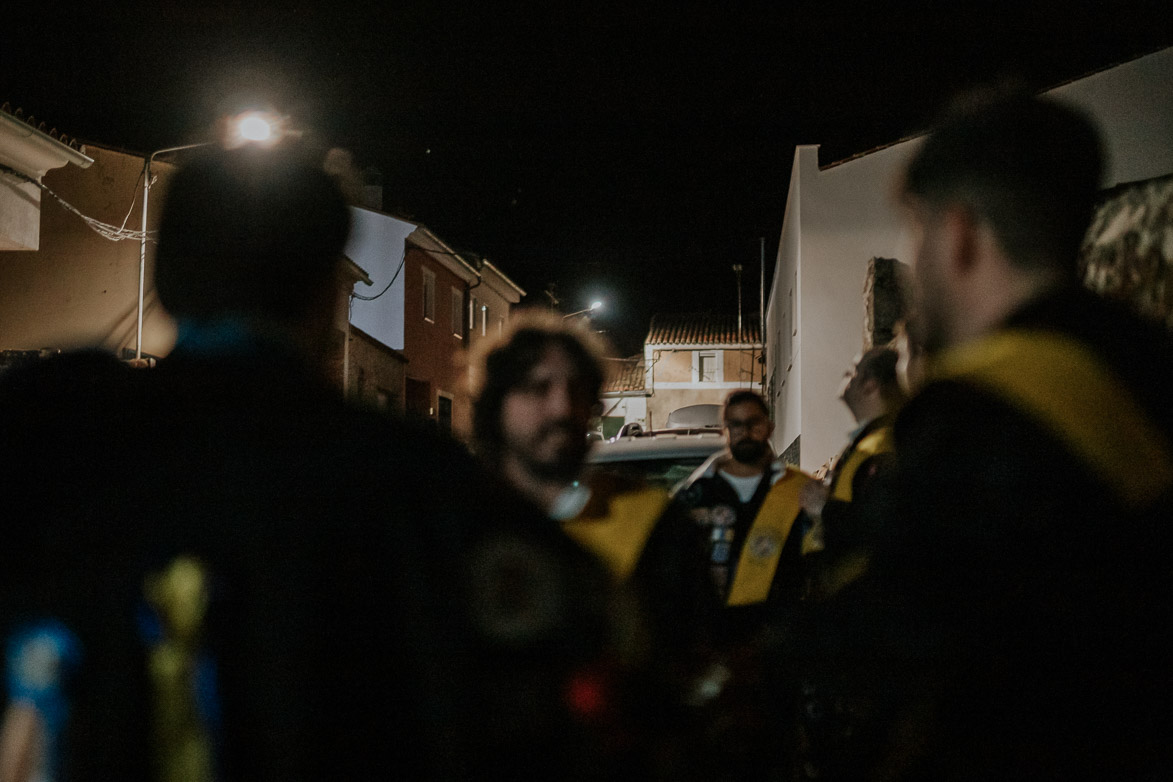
<point>1133,104</point>
<point>848,217</point>
<point>783,343</point>
<point>20,214</point>
<point>838,218</point>
<point>631,408</point>
<point>377,244</point>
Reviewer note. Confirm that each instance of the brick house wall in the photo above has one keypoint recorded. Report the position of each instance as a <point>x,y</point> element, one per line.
<point>377,373</point>
<point>435,346</point>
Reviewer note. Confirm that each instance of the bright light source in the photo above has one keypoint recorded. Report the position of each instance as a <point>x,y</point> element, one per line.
<point>596,304</point>
<point>254,127</point>
<point>260,128</point>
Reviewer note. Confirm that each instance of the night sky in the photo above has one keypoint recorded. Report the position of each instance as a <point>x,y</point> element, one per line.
<point>626,152</point>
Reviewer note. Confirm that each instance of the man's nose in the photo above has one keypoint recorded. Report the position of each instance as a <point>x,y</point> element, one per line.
<point>559,399</point>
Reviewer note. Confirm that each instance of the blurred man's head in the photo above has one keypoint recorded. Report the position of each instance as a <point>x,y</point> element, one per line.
<point>537,394</point>
<point>1010,178</point>
<point>748,427</point>
<point>871,387</point>
<point>252,234</point>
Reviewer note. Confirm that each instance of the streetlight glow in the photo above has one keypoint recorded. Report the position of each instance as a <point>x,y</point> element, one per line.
<point>259,128</point>
<point>596,305</point>
<point>254,127</point>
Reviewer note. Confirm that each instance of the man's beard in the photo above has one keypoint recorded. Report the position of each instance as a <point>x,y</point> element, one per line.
<point>749,451</point>
<point>566,461</point>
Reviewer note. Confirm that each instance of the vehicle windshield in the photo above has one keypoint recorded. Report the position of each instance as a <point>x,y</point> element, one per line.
<point>665,473</point>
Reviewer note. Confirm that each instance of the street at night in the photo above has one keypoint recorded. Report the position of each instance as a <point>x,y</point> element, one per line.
<point>451,391</point>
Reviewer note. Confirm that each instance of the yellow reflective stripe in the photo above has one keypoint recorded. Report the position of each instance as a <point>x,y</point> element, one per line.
<point>763,546</point>
<point>846,571</point>
<point>1064,386</point>
<point>879,441</point>
<point>179,595</point>
<point>619,537</point>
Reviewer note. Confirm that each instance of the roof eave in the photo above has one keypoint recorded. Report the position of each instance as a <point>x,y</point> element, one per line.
<point>33,152</point>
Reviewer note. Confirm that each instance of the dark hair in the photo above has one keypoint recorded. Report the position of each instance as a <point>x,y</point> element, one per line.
<point>249,232</point>
<point>879,364</point>
<point>745,395</point>
<point>506,362</point>
<point>1030,167</point>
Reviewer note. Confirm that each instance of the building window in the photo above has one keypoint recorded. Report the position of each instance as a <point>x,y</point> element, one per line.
<point>457,313</point>
<point>706,366</point>
<point>429,295</point>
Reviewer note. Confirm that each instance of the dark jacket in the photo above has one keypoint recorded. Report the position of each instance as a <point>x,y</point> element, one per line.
<point>375,604</point>
<point>1011,622</point>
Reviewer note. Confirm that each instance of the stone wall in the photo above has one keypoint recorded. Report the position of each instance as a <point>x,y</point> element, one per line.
<point>1128,251</point>
<point>884,303</point>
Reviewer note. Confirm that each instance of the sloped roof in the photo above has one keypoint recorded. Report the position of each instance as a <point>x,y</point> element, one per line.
<point>624,375</point>
<point>703,328</point>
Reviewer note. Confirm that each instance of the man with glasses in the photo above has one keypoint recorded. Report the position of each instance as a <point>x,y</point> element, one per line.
<point>748,501</point>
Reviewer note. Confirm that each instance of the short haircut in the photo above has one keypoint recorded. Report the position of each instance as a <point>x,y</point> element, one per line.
<point>745,395</point>
<point>879,364</point>
<point>249,232</point>
<point>1029,167</point>
<point>505,363</point>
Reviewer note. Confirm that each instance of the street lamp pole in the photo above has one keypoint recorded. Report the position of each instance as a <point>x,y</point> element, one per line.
<point>142,248</point>
<point>250,127</point>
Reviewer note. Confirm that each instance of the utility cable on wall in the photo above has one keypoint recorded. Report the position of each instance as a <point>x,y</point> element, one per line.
<point>394,277</point>
<point>107,231</point>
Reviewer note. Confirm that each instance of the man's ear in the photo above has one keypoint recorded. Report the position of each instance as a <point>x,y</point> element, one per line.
<point>960,226</point>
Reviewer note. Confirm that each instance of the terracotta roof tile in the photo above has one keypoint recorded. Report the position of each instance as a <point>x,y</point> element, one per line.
<point>624,374</point>
<point>52,133</point>
<point>703,328</point>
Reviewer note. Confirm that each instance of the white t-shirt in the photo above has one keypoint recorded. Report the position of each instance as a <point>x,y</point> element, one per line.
<point>570,501</point>
<point>745,487</point>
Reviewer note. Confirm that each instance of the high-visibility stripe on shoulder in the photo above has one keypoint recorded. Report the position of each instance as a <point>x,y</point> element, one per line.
<point>877,442</point>
<point>1064,386</point>
<point>619,537</point>
<point>763,545</point>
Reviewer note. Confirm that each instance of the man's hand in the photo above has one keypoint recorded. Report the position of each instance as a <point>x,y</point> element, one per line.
<point>813,496</point>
